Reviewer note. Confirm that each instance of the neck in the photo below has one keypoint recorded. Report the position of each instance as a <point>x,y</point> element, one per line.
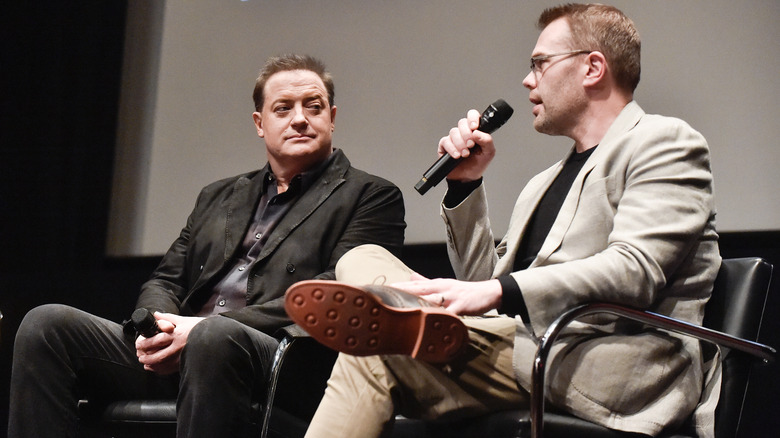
<point>596,120</point>
<point>285,174</point>
<point>286,169</point>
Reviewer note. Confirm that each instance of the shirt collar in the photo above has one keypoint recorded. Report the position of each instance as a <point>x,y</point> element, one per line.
<point>301,182</point>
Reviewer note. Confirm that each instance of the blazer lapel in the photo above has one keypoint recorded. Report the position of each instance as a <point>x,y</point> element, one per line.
<point>565,214</point>
<point>625,121</point>
<point>240,208</point>
<point>524,208</point>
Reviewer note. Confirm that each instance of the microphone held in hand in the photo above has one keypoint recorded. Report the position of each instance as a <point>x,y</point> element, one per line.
<point>144,323</point>
<point>491,119</point>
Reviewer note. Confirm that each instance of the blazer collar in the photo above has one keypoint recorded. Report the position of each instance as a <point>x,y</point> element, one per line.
<point>625,121</point>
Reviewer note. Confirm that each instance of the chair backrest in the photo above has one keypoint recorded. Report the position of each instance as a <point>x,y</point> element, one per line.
<point>737,308</point>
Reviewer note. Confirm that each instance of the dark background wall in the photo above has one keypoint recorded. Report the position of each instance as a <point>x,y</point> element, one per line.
<point>60,67</point>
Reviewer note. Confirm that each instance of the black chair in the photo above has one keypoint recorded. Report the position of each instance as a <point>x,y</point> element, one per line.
<point>733,317</point>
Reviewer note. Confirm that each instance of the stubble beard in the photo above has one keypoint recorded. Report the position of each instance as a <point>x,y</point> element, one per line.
<point>560,119</point>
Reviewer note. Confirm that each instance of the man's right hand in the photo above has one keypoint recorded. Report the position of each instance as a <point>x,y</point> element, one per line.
<point>475,147</point>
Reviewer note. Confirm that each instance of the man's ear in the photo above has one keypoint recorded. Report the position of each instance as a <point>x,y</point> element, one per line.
<point>597,69</point>
<point>258,119</point>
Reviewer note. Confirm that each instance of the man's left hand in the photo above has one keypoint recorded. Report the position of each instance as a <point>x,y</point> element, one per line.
<point>460,297</point>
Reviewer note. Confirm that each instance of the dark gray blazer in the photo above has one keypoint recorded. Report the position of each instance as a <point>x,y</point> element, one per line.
<point>343,208</point>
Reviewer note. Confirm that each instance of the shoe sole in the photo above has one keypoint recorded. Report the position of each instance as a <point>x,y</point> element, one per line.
<point>353,321</point>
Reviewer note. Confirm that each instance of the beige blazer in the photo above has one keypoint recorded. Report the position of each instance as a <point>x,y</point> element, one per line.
<point>636,228</point>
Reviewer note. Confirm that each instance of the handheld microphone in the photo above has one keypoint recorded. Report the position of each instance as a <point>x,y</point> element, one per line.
<point>491,119</point>
<point>144,323</point>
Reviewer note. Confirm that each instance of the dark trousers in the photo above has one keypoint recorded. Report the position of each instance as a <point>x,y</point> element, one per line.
<point>62,355</point>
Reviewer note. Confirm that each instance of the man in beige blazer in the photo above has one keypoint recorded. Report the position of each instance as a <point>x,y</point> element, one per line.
<point>626,217</point>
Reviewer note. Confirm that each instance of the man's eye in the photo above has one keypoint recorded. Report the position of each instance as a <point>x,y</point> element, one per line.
<point>281,109</point>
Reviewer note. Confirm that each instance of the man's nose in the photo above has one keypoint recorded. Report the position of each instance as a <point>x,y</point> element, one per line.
<point>299,116</point>
<point>530,80</point>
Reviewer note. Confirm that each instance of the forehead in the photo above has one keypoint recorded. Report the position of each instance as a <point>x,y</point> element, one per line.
<point>554,38</point>
<point>294,83</point>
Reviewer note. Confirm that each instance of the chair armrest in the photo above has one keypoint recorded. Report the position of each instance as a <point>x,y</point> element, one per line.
<point>287,336</point>
<point>764,352</point>
<point>291,332</point>
<point>287,359</point>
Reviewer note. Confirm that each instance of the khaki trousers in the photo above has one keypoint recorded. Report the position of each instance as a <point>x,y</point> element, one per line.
<point>365,393</point>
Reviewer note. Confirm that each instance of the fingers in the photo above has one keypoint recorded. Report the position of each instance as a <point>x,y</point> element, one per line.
<point>161,362</point>
<point>435,299</point>
<point>473,117</point>
<point>167,322</point>
<point>155,343</point>
<point>461,139</point>
<point>454,144</point>
<point>429,290</point>
<point>158,354</point>
<point>463,133</point>
<point>465,140</point>
<point>161,352</point>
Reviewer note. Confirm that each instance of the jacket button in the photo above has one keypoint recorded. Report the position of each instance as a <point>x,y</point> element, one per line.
<point>290,268</point>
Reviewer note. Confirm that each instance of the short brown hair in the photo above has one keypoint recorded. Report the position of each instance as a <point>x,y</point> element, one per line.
<point>607,30</point>
<point>290,62</point>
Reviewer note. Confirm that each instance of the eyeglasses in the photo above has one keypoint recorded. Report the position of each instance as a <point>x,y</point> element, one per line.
<point>537,61</point>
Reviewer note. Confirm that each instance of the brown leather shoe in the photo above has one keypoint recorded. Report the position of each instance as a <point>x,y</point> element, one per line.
<point>370,320</point>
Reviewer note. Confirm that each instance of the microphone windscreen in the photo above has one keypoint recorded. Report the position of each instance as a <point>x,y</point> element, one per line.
<point>495,116</point>
<point>144,322</point>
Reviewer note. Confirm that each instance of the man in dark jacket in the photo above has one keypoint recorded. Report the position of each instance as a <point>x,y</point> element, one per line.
<point>217,295</point>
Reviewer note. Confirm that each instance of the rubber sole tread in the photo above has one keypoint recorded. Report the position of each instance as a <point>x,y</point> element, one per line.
<point>352,320</point>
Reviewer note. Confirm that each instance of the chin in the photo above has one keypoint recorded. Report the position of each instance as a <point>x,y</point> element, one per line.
<point>539,124</point>
<point>302,150</point>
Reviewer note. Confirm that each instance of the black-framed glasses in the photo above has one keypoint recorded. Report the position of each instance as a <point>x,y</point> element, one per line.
<point>537,61</point>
